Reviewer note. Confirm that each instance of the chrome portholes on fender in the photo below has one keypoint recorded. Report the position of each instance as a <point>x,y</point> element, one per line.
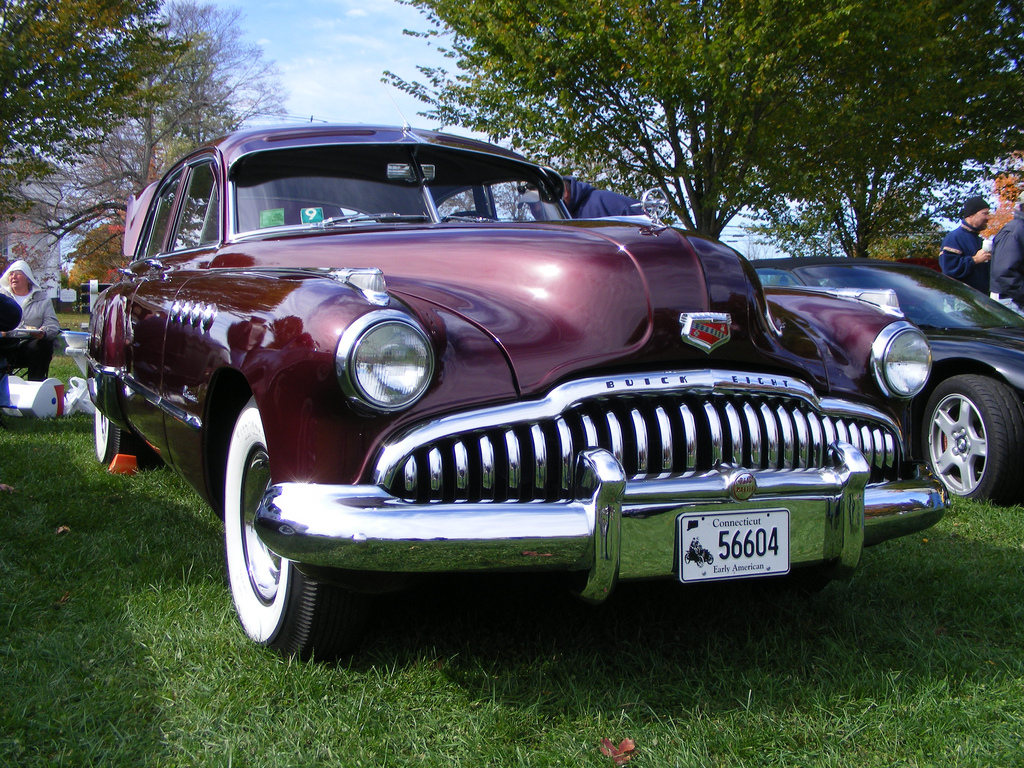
<point>196,314</point>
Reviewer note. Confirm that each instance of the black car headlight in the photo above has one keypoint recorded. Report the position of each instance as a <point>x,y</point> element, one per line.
<point>901,359</point>
<point>384,361</point>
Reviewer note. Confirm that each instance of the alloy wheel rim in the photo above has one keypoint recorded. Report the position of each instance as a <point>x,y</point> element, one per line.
<point>958,444</point>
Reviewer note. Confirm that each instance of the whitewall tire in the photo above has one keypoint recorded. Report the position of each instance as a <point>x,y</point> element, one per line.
<point>277,605</point>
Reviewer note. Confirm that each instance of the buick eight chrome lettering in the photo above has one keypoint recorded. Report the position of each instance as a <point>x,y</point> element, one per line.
<point>384,353</point>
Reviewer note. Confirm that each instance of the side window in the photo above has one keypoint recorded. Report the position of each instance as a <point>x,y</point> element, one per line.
<point>199,210</point>
<point>161,217</point>
<point>516,201</point>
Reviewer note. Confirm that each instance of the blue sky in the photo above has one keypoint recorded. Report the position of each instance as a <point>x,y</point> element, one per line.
<point>332,53</point>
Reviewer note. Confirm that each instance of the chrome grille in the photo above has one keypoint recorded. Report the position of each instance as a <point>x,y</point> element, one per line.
<point>653,435</point>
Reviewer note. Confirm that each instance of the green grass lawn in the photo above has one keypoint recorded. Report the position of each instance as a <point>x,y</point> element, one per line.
<point>119,647</point>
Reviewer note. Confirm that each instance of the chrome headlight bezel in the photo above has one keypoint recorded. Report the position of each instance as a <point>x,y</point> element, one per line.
<point>354,376</point>
<point>889,360</point>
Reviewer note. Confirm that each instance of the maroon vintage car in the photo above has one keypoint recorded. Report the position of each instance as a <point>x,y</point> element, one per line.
<point>383,352</point>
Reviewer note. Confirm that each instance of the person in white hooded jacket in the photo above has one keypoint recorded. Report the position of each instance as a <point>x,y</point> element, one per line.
<point>30,345</point>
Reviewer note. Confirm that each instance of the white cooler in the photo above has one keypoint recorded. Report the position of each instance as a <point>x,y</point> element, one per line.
<point>42,399</point>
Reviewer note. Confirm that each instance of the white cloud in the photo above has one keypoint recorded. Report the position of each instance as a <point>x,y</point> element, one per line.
<point>332,54</point>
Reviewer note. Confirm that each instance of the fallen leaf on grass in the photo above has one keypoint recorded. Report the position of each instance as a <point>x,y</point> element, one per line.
<point>64,599</point>
<point>63,529</point>
<point>6,488</point>
<point>621,754</point>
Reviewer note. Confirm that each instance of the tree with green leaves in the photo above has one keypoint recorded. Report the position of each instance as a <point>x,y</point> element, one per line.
<point>211,82</point>
<point>683,95</point>
<point>928,96</point>
<point>721,103</point>
<point>69,70</point>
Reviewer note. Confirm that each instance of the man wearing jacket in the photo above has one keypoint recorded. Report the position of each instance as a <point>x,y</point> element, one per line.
<point>30,345</point>
<point>586,201</point>
<point>1008,262</point>
<point>962,255</point>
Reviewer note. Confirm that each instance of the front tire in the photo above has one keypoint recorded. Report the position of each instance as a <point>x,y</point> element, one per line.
<point>277,605</point>
<point>974,436</point>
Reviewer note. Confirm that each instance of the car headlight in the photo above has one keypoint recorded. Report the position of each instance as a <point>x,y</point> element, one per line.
<point>384,361</point>
<point>901,359</point>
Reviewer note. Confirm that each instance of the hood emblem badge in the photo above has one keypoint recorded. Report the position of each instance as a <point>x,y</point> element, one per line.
<point>706,330</point>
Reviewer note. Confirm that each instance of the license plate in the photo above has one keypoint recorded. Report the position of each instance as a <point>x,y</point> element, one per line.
<point>733,545</point>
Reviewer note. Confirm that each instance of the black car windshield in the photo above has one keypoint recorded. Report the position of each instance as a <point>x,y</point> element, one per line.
<point>360,184</point>
<point>927,298</point>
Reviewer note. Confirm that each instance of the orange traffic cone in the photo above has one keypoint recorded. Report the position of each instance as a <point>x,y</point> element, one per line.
<point>124,464</point>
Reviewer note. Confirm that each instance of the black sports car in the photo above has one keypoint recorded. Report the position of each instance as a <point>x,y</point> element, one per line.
<point>970,412</point>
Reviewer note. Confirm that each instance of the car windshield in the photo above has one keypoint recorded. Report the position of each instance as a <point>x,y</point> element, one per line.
<point>927,298</point>
<point>359,184</point>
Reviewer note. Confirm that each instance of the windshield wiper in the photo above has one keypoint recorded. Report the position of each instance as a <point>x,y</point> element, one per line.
<point>384,218</point>
<point>466,217</point>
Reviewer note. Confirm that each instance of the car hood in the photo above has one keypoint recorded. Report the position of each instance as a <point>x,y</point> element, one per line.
<point>560,299</point>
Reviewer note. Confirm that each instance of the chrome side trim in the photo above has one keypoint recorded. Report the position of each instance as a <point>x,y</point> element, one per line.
<point>108,381</point>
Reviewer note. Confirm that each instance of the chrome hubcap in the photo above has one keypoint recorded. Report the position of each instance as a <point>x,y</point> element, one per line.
<point>264,566</point>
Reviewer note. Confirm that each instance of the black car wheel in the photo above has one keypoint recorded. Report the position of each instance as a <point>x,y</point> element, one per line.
<point>974,435</point>
<point>277,605</point>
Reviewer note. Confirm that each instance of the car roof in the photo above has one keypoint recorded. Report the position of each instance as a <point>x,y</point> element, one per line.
<point>244,142</point>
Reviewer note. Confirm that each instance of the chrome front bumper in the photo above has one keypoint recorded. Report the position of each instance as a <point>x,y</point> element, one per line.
<point>613,529</point>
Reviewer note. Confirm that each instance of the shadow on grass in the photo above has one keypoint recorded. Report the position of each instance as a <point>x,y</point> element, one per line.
<point>935,613</point>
